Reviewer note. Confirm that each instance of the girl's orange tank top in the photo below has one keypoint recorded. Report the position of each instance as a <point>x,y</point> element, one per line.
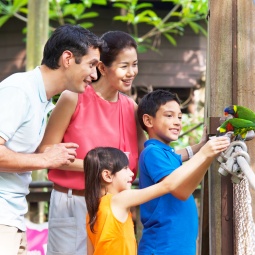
<point>111,236</point>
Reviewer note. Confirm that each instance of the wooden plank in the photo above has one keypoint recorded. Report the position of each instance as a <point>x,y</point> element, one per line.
<point>203,246</point>
<point>246,67</point>
<point>159,81</point>
<point>187,55</point>
<point>219,92</point>
<point>11,52</point>
<point>171,68</point>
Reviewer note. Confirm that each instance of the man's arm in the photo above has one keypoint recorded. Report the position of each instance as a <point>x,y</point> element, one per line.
<point>53,157</point>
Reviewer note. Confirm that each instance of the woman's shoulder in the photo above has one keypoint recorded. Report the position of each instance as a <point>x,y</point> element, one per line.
<point>127,99</point>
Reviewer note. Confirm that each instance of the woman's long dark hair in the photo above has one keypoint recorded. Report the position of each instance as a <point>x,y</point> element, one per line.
<point>95,162</point>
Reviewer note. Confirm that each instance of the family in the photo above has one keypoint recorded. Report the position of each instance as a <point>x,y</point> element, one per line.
<point>93,145</point>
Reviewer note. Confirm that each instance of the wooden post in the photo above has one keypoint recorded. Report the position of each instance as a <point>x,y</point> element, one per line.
<point>37,35</point>
<point>37,31</point>
<point>246,66</point>
<point>230,80</point>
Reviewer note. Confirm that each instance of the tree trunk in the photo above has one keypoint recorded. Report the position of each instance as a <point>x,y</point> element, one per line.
<point>37,35</point>
<point>37,31</point>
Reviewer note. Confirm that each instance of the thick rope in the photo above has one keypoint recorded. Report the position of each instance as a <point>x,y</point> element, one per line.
<point>244,223</point>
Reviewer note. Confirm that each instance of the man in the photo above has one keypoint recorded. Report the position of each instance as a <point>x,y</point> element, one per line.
<point>69,63</point>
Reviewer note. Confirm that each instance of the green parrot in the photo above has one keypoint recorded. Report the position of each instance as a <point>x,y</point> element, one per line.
<point>241,112</point>
<point>236,125</point>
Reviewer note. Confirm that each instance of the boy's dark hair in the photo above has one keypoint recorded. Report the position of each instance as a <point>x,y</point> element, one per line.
<point>152,101</point>
<point>95,162</point>
<point>69,37</point>
<point>116,42</point>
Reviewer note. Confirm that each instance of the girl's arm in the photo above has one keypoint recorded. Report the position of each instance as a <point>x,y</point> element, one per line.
<point>90,248</point>
<point>57,125</point>
<point>181,183</point>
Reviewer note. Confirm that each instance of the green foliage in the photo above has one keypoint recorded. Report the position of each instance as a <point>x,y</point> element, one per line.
<point>60,11</point>
<point>10,8</point>
<point>192,131</point>
<point>184,13</point>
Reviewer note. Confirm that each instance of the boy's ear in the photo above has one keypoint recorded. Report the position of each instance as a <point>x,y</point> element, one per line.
<point>147,120</point>
<point>107,176</point>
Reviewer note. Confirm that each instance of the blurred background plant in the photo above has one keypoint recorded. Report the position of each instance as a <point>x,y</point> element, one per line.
<point>192,131</point>
<point>134,13</point>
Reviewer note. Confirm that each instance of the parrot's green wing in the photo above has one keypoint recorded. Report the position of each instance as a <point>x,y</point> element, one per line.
<point>237,125</point>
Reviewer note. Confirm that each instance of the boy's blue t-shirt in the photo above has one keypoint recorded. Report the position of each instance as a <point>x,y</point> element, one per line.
<point>170,225</point>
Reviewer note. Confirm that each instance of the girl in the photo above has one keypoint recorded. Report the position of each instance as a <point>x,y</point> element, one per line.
<point>109,196</point>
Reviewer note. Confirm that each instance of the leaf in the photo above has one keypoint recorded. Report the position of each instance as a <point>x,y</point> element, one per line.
<point>121,6</point>
<point>99,2</point>
<point>197,28</point>
<point>170,39</point>
<point>194,26</point>
<point>143,5</point>
<point>3,19</point>
<point>86,24</point>
<point>89,15</point>
<point>121,18</point>
<point>19,3</point>
<point>24,10</point>
<point>141,49</point>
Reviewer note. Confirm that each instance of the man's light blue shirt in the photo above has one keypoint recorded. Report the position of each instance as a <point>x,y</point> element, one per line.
<point>24,108</point>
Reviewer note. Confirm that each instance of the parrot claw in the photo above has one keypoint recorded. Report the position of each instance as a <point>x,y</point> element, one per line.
<point>250,135</point>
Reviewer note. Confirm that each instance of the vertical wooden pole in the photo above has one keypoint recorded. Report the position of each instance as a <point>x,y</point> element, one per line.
<point>37,35</point>
<point>219,94</point>
<point>246,67</point>
<point>37,31</point>
<point>230,80</point>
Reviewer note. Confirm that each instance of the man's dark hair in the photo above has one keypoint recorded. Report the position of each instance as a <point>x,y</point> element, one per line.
<point>69,37</point>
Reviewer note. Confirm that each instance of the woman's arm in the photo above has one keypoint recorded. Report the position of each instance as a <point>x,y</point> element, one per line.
<point>57,125</point>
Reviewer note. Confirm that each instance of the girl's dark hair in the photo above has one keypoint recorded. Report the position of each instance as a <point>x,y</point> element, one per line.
<point>116,41</point>
<point>95,162</point>
<point>152,101</point>
<point>69,37</point>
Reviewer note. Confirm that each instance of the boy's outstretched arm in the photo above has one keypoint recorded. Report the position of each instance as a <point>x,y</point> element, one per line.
<point>188,176</point>
<point>181,183</point>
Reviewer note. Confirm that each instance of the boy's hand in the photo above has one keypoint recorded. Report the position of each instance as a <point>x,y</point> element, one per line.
<point>215,146</point>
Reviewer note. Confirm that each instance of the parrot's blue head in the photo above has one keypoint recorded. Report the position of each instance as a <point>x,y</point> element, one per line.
<point>230,110</point>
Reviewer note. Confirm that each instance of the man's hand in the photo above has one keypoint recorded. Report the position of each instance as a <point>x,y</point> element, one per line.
<point>61,154</point>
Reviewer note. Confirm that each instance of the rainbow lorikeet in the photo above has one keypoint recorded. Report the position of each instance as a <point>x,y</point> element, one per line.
<point>237,125</point>
<point>241,112</point>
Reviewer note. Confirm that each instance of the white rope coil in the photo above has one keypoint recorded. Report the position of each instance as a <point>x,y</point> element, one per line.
<point>244,223</point>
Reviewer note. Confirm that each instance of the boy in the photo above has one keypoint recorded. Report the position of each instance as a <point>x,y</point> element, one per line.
<point>171,221</point>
